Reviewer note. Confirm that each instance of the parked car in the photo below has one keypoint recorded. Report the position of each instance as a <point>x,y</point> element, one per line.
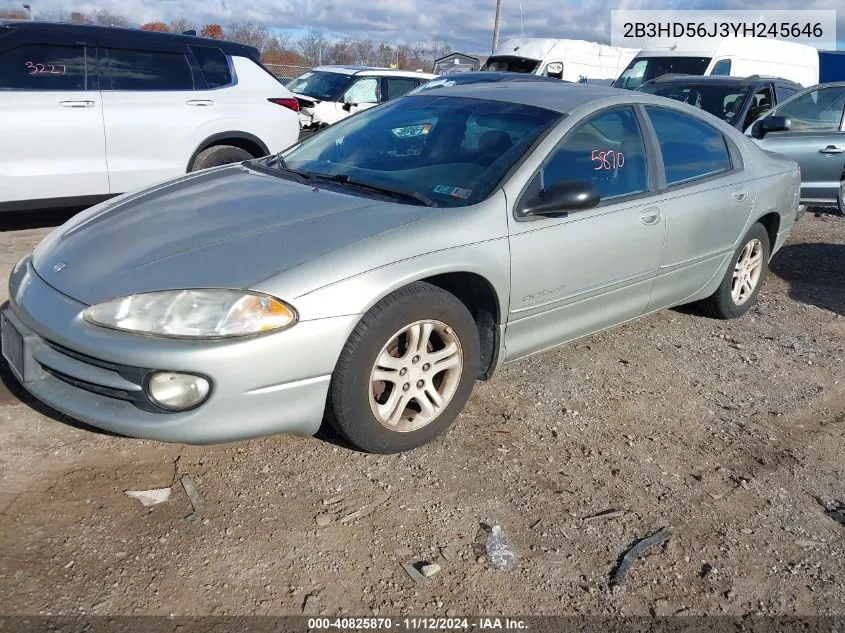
<point>330,93</point>
<point>737,100</point>
<point>90,112</point>
<point>478,77</point>
<point>373,272</point>
<point>814,137</point>
<point>729,56</point>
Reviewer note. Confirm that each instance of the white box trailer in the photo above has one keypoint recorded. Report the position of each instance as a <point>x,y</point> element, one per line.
<point>578,61</point>
<point>734,56</point>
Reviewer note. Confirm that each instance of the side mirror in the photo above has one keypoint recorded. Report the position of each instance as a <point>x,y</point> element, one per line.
<point>555,69</point>
<point>772,123</point>
<point>348,105</point>
<point>562,197</point>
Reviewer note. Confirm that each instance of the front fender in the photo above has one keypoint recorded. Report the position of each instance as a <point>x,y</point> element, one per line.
<point>357,294</point>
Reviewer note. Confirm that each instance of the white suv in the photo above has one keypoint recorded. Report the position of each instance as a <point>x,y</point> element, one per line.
<point>330,93</point>
<point>89,112</point>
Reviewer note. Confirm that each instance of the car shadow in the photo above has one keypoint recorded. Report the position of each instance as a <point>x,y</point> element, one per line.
<point>815,273</point>
<point>11,392</point>
<point>38,219</point>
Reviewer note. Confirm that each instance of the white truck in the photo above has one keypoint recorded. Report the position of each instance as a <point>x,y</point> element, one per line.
<point>735,57</point>
<point>577,61</point>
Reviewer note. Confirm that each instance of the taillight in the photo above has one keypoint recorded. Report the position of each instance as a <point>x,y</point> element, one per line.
<point>288,102</point>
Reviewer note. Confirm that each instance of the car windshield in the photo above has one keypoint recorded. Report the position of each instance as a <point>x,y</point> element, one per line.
<point>325,86</point>
<point>451,151</point>
<point>512,64</point>
<point>724,102</point>
<point>643,69</point>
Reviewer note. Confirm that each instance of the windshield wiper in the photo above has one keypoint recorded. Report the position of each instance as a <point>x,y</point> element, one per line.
<point>302,177</point>
<point>395,193</point>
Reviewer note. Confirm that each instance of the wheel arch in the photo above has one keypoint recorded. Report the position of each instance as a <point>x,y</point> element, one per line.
<point>243,140</point>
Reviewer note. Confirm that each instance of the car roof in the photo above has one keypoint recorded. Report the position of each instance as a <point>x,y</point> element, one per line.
<point>495,75</point>
<point>558,96</point>
<point>128,35</point>
<point>351,69</point>
<point>717,80</point>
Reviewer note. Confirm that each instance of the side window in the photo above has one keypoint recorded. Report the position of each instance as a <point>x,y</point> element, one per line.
<point>398,86</point>
<point>783,93</point>
<point>214,66</point>
<point>607,150</point>
<point>819,110</point>
<point>43,67</point>
<point>691,148</point>
<point>721,67</point>
<point>147,70</point>
<point>761,103</point>
<point>365,90</point>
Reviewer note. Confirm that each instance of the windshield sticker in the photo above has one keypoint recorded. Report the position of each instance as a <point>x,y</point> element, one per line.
<point>455,192</point>
<point>607,160</point>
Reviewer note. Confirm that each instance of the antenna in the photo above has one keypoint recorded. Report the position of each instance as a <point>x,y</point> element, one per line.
<point>496,24</point>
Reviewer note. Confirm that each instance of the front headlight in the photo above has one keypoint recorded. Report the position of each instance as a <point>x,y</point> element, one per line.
<point>200,313</point>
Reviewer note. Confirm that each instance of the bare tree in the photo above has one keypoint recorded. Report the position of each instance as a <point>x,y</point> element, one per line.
<point>342,52</point>
<point>312,47</point>
<point>106,17</point>
<point>364,52</point>
<point>181,25</point>
<point>249,33</point>
<point>284,39</point>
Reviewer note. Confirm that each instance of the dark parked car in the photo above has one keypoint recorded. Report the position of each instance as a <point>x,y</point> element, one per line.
<point>815,139</point>
<point>736,100</point>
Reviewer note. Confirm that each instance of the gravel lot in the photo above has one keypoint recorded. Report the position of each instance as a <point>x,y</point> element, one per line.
<point>728,432</point>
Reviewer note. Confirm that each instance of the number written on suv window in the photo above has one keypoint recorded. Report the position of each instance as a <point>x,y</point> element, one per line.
<point>43,67</point>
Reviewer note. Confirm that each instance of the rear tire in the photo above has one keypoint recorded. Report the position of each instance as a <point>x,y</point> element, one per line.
<point>744,277</point>
<point>406,371</point>
<point>219,155</point>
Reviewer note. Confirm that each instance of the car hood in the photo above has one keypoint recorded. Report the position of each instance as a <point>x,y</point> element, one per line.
<point>223,228</point>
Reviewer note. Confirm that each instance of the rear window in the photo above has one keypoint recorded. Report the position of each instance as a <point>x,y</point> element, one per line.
<point>691,149</point>
<point>148,70</point>
<point>214,66</point>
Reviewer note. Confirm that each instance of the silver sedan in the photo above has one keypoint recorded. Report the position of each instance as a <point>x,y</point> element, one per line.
<point>369,275</point>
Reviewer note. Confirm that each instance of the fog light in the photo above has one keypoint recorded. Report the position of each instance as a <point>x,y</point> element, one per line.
<point>177,392</point>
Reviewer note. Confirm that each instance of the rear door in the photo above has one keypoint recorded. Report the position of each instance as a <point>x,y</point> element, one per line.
<point>150,109</point>
<point>816,141</point>
<point>52,143</point>
<point>709,193</point>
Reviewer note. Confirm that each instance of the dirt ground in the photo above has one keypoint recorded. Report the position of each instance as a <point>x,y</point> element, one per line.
<point>729,433</point>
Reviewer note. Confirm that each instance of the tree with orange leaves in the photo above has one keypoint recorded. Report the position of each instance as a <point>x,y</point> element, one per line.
<point>214,31</point>
<point>155,26</point>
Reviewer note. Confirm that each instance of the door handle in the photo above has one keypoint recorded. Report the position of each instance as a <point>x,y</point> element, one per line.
<point>740,195</point>
<point>200,102</point>
<point>831,149</point>
<point>76,104</point>
<point>650,216</point>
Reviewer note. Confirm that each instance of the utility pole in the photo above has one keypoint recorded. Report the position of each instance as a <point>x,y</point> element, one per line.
<point>496,24</point>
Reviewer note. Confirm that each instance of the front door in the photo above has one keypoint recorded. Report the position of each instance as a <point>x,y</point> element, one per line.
<point>591,269</point>
<point>815,140</point>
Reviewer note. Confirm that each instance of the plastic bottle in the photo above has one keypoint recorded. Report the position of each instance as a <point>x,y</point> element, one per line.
<point>500,551</point>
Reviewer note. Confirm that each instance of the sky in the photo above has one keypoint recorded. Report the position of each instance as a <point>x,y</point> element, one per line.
<point>467,25</point>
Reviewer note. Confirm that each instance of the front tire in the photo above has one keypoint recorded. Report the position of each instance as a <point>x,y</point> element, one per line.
<point>406,371</point>
<point>744,277</point>
<point>219,155</point>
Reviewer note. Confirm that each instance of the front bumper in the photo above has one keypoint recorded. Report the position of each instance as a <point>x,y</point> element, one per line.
<point>264,385</point>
